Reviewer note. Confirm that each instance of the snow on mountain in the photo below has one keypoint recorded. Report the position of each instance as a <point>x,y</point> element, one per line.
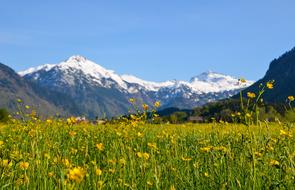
<point>77,63</point>
<point>45,67</point>
<point>207,82</point>
<point>216,82</point>
<point>152,86</point>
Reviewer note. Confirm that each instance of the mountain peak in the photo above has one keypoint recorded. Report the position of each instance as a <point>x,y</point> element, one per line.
<point>76,58</point>
<point>210,76</point>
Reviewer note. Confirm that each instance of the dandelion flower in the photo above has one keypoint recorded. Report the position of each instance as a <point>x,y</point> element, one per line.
<point>6,163</point>
<point>291,98</point>
<point>49,121</point>
<point>99,146</point>
<point>206,149</point>
<point>122,161</point>
<point>157,104</point>
<point>24,165</point>
<point>72,133</point>
<point>186,158</point>
<point>145,107</point>
<point>144,155</point>
<point>274,163</point>
<point>172,187</point>
<point>66,162</point>
<point>242,80</point>
<point>248,115</point>
<point>251,95</point>
<point>50,174</point>
<point>76,174</point>
<point>269,84</point>
<point>285,133</point>
<point>152,145</point>
<point>98,171</point>
<point>258,154</point>
<point>149,183</point>
<point>139,134</point>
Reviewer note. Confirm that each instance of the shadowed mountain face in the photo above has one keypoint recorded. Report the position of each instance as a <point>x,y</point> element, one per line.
<point>282,70</point>
<point>13,87</point>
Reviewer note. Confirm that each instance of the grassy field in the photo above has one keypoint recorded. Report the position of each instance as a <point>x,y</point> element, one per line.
<point>62,155</point>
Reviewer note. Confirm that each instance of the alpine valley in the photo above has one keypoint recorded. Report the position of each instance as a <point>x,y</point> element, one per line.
<point>81,87</point>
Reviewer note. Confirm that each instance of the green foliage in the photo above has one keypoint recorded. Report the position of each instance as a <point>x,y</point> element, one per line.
<point>4,115</point>
<point>58,154</point>
<point>290,116</point>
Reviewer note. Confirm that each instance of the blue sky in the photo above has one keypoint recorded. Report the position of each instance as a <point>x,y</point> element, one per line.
<point>155,40</point>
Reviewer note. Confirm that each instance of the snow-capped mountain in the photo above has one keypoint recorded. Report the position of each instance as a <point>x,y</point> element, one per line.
<point>98,90</point>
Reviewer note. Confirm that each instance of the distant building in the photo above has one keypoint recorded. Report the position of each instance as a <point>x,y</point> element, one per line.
<point>196,119</point>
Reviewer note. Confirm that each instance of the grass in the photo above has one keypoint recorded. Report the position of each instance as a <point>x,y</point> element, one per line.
<point>57,154</point>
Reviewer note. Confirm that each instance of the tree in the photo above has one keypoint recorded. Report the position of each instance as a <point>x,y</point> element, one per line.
<point>4,115</point>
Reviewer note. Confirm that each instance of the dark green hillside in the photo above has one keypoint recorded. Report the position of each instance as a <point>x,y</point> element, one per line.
<point>282,70</point>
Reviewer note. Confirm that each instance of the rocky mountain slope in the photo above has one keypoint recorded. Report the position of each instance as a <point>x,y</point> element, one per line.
<point>97,91</point>
<point>13,87</point>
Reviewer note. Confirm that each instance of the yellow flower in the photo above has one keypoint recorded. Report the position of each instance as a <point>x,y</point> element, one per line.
<point>66,162</point>
<point>248,115</point>
<point>206,174</point>
<point>50,174</point>
<point>258,154</point>
<point>72,133</point>
<point>172,187</point>
<point>144,155</point>
<point>149,183</point>
<point>242,80</point>
<point>131,100</point>
<point>157,104</point>
<point>76,174</point>
<point>19,100</point>
<point>112,161</point>
<point>274,163</point>
<point>27,107</point>
<point>145,107</point>
<point>98,171</point>
<point>139,134</point>
<point>1,143</point>
<point>122,161</point>
<point>49,121</point>
<point>6,163</point>
<point>100,184</point>
<point>112,170</point>
<point>99,146</point>
<point>291,98</point>
<point>24,165</point>
<point>186,158</point>
<point>71,120</point>
<point>220,148</point>
<point>206,149</point>
<point>285,134</point>
<point>251,95</point>
<point>152,145</point>
<point>47,156</point>
<point>269,84</point>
